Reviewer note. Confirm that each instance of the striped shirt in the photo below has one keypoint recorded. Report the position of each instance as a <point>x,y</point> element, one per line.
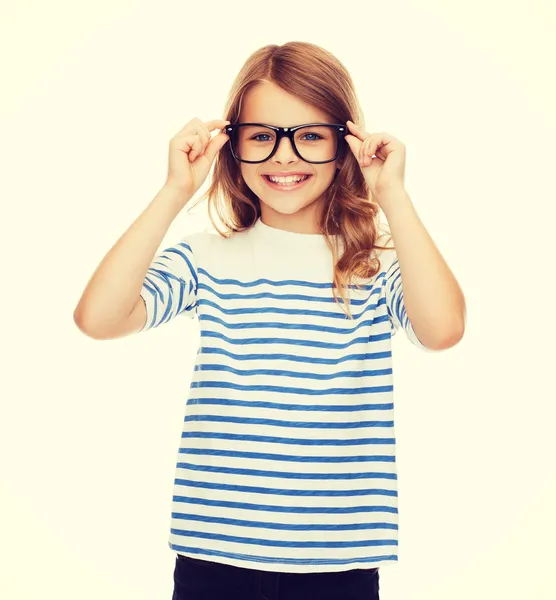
<point>287,455</point>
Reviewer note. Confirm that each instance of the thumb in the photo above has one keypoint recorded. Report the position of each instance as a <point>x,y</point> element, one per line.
<point>215,145</point>
<point>354,143</point>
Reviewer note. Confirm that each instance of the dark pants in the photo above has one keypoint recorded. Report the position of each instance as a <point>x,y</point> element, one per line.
<point>196,579</point>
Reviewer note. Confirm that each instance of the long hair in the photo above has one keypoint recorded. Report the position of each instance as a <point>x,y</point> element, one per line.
<point>351,217</point>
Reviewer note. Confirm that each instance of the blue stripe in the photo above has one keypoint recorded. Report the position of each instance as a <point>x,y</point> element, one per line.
<point>285,474</point>
<point>306,510</point>
<point>243,297</point>
<point>394,291</point>
<point>284,492</point>
<point>304,407</point>
<point>191,268</point>
<point>278,373</point>
<point>293,326</point>
<point>158,294</point>
<point>293,424</point>
<point>182,298</point>
<point>154,287</point>
<point>311,343</point>
<point>399,305</point>
<point>297,358</point>
<point>288,311</point>
<point>281,282</point>
<point>289,457</point>
<point>280,440</point>
<point>152,291</point>
<point>282,544</point>
<point>292,390</point>
<point>283,526</point>
<point>287,561</point>
<point>169,302</point>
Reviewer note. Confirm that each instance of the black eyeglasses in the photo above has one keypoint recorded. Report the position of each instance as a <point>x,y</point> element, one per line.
<point>315,143</point>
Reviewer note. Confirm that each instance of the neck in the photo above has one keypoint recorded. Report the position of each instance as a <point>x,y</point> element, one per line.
<point>305,220</point>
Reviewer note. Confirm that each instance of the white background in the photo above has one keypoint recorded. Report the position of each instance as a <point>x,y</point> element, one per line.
<point>91,95</point>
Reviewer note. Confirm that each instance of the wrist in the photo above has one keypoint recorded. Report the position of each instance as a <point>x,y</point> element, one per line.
<point>174,195</point>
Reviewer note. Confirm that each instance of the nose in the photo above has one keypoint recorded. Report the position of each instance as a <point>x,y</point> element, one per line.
<point>285,152</point>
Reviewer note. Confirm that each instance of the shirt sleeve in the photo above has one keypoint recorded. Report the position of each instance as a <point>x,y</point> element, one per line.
<point>170,285</point>
<point>396,307</point>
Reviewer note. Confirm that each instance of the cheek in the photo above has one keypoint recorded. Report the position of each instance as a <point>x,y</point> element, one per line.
<point>326,174</point>
<point>250,174</point>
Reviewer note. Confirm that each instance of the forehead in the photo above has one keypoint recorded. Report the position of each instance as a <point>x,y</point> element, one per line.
<point>268,103</point>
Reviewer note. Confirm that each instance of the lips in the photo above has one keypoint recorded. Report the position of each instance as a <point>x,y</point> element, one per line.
<point>286,174</point>
<point>302,176</point>
<point>288,186</point>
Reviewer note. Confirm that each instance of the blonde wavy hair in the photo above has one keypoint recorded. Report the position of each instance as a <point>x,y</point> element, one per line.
<point>315,76</point>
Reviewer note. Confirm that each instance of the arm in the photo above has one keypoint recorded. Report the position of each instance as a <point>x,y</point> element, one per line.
<point>434,302</point>
<point>111,305</point>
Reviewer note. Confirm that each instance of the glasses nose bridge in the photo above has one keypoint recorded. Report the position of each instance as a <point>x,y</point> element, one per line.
<point>285,132</point>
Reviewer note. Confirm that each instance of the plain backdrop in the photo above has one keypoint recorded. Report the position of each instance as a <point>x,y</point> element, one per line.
<point>91,95</point>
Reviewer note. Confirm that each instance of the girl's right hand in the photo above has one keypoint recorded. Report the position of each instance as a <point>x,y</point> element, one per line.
<point>191,154</point>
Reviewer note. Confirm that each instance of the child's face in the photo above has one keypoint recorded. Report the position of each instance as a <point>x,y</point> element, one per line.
<point>267,103</point>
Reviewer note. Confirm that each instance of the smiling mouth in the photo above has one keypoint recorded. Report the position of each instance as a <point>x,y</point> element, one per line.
<point>286,186</point>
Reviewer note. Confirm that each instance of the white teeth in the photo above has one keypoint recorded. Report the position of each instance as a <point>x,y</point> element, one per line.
<point>287,179</point>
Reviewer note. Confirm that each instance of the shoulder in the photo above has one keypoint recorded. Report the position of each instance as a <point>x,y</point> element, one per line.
<point>209,245</point>
<point>203,239</point>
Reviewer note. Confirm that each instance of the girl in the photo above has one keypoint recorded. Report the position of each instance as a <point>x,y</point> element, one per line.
<point>286,484</point>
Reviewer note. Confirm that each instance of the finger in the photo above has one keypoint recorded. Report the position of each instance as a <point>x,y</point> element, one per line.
<point>198,150</point>
<point>197,145</point>
<point>216,124</point>
<point>371,149</point>
<point>185,143</point>
<point>364,150</point>
<point>203,133</point>
<point>207,128</point>
<point>215,145</point>
<point>356,130</point>
<point>354,143</point>
<point>193,146</point>
<point>191,127</point>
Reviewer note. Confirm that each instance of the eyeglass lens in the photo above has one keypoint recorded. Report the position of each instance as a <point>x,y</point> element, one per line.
<point>314,143</point>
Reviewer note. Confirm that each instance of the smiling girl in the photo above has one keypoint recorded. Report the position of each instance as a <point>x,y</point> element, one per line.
<point>286,483</point>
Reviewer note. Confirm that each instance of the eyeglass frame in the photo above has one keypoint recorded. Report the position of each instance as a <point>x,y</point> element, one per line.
<point>341,131</point>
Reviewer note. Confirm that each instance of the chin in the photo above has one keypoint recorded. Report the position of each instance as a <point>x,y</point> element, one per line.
<point>288,208</point>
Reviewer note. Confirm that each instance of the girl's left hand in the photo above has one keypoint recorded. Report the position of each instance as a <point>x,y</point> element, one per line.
<point>384,172</point>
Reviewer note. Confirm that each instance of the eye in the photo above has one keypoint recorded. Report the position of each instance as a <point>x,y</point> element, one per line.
<point>259,135</point>
<point>318,137</point>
